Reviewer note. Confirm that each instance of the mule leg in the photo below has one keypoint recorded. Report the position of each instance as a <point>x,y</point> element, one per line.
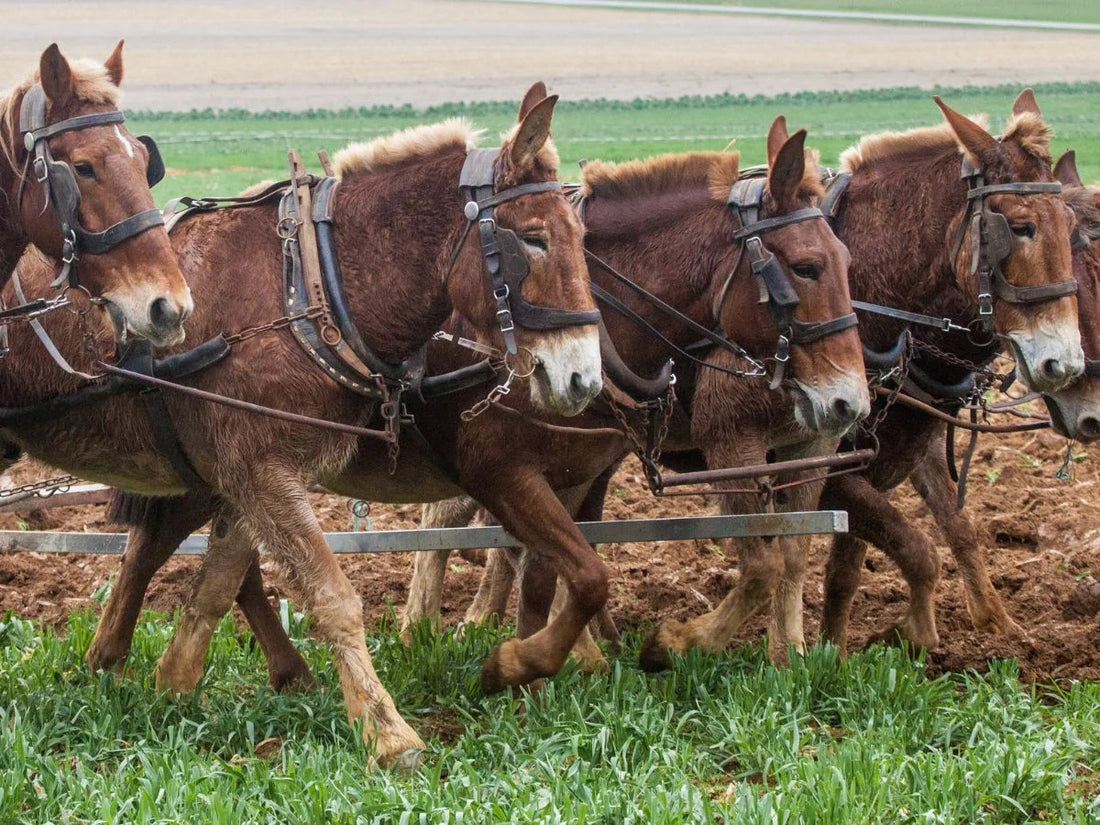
<point>529,510</point>
<point>933,482</point>
<point>148,547</point>
<point>497,580</point>
<point>227,559</point>
<point>286,668</point>
<point>874,519</point>
<point>429,569</point>
<point>275,512</point>
<point>842,574</point>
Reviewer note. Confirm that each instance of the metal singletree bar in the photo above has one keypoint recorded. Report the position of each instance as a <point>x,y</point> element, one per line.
<point>459,538</point>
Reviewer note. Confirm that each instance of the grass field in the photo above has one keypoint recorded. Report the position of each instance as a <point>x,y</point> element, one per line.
<point>219,154</point>
<point>717,739</point>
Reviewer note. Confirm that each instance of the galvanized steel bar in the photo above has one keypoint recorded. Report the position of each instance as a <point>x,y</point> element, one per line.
<point>458,538</point>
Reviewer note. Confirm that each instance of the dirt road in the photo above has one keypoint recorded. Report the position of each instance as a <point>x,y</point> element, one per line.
<point>264,55</point>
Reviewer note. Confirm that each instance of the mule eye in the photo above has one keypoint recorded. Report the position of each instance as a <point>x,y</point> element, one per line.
<point>808,271</point>
<point>537,241</point>
<point>85,170</point>
<point>1024,230</point>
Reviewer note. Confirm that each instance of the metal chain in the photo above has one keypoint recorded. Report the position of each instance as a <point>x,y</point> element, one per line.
<point>649,455</point>
<point>271,326</point>
<point>58,484</point>
<point>989,376</point>
<point>48,306</point>
<point>495,394</point>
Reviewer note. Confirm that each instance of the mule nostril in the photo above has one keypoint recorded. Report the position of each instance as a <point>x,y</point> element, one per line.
<point>577,387</point>
<point>1088,428</point>
<point>164,315</point>
<point>1053,370</point>
<point>843,410</point>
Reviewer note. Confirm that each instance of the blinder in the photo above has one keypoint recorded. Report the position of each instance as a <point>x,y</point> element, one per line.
<point>61,191</point>
<point>745,198</point>
<point>154,172</point>
<point>991,242</point>
<point>506,262</point>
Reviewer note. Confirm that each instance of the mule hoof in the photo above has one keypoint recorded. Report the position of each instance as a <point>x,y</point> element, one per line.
<point>101,658</point>
<point>492,676</point>
<point>899,636</point>
<point>408,761</point>
<point>293,680</point>
<point>654,656</point>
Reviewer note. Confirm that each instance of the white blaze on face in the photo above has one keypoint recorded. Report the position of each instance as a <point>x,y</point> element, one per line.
<point>129,147</point>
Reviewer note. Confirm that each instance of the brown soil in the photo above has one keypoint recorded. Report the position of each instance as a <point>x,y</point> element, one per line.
<point>1042,537</point>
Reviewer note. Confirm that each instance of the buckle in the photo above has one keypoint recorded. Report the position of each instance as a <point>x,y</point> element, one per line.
<point>783,350</point>
<point>985,304</point>
<point>501,293</point>
<point>41,170</point>
<point>504,316</point>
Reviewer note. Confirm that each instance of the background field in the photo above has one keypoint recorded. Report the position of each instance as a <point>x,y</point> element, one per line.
<point>218,153</point>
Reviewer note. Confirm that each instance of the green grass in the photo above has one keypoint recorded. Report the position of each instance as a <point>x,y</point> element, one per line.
<point>221,153</point>
<point>1063,11</point>
<point>724,738</point>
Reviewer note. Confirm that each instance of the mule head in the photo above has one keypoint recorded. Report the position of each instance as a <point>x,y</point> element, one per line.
<point>1075,409</point>
<point>825,372</point>
<point>542,252</point>
<point>81,180</point>
<point>1027,236</point>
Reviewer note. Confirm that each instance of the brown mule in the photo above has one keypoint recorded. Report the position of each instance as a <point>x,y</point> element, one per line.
<point>1074,412</point>
<point>70,172</point>
<point>667,225</point>
<point>1043,335</point>
<point>399,213</point>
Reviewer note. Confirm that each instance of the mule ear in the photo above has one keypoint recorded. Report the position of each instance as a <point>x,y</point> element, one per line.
<point>1065,170</point>
<point>113,64</point>
<point>974,140</point>
<point>786,171</point>
<point>536,93</point>
<point>55,75</point>
<point>777,136</point>
<point>1026,103</point>
<point>533,132</point>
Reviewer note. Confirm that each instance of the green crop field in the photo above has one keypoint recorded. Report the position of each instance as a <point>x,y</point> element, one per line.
<point>717,739</point>
<point>221,153</point>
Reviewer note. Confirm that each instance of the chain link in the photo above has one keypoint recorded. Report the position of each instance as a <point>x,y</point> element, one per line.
<point>495,394</point>
<point>271,326</point>
<point>58,484</point>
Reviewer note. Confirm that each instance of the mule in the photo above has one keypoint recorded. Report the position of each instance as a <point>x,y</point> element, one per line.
<point>404,243</point>
<point>667,225</point>
<point>76,186</point>
<point>1074,413</point>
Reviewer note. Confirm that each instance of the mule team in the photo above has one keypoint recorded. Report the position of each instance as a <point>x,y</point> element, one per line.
<point>947,221</point>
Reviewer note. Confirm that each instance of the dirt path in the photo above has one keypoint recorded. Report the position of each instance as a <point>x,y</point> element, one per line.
<point>262,55</point>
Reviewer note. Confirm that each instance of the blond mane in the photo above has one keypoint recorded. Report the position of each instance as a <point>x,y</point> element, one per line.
<point>716,170</point>
<point>409,144</point>
<point>872,148</point>
<point>91,85</point>
<point>1026,129</point>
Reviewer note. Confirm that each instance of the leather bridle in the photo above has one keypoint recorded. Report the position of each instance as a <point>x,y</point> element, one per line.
<point>506,263</point>
<point>61,192</point>
<point>745,199</point>
<point>991,241</point>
